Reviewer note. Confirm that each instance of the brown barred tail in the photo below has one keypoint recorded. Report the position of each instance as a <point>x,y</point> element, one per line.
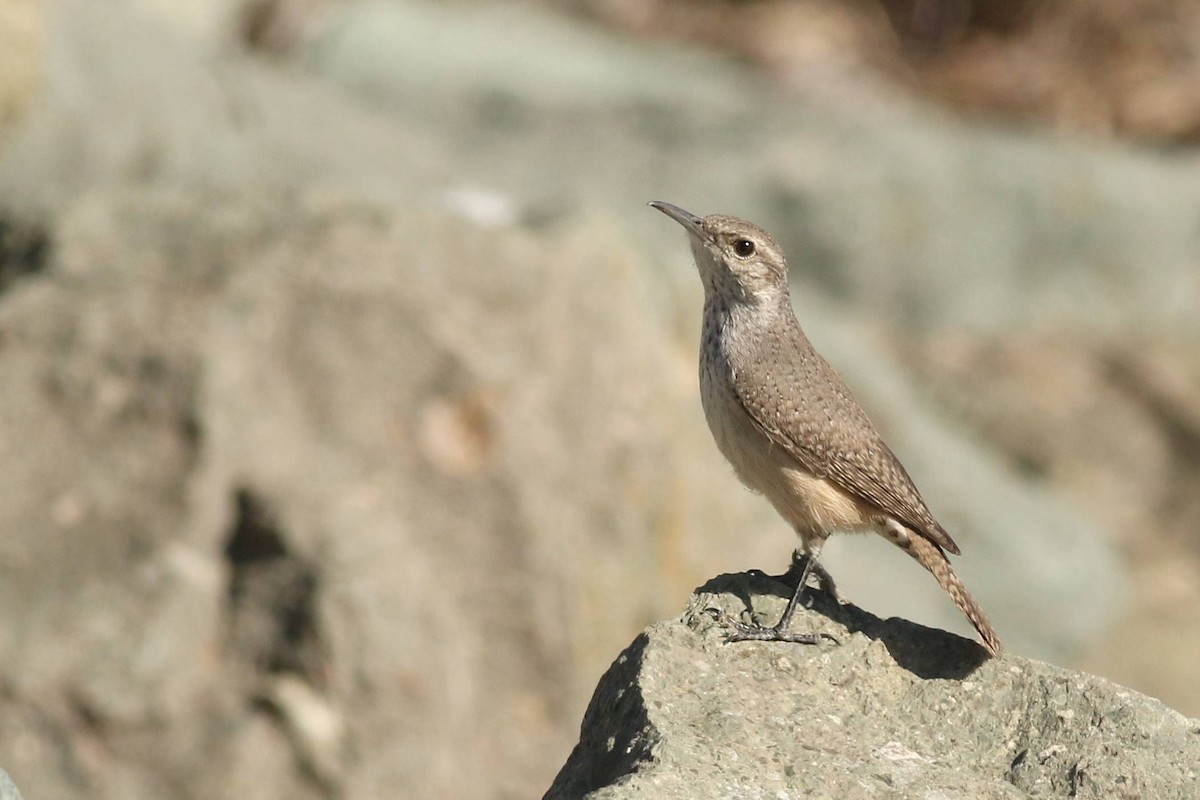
<point>936,562</point>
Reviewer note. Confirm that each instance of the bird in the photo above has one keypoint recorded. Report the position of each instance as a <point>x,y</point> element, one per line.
<point>790,427</point>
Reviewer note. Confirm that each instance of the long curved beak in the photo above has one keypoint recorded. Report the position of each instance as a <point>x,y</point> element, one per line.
<point>693,224</point>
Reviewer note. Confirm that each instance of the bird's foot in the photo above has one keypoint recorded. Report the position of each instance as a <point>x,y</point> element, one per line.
<point>737,631</point>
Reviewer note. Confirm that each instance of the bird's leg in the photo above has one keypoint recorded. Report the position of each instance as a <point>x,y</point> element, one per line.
<point>790,611</point>
<point>807,564</point>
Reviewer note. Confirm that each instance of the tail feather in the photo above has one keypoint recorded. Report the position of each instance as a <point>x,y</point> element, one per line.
<point>934,560</point>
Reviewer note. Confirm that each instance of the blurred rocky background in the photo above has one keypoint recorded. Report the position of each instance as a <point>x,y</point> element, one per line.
<point>349,423</point>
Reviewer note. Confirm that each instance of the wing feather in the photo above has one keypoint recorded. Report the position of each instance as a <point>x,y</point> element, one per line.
<point>809,412</point>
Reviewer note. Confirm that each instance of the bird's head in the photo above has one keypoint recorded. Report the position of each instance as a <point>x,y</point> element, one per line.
<point>736,258</point>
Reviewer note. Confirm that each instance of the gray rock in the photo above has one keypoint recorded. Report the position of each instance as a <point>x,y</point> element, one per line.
<point>893,710</point>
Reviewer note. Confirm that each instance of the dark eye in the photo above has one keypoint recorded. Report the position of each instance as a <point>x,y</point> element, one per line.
<point>744,248</point>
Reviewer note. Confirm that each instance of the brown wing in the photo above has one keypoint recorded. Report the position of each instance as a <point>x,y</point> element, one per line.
<point>805,408</point>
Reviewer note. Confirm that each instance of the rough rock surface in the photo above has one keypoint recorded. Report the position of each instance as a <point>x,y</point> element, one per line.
<point>893,710</point>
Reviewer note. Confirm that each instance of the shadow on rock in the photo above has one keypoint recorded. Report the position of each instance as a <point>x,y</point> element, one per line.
<point>925,652</point>
<point>616,736</point>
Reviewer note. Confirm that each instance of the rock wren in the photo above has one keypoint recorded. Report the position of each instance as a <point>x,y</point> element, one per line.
<point>789,426</point>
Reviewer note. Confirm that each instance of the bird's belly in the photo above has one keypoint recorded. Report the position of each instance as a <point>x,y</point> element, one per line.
<point>812,505</point>
<point>739,440</point>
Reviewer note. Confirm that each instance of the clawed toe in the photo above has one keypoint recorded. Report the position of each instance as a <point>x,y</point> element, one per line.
<point>741,632</point>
